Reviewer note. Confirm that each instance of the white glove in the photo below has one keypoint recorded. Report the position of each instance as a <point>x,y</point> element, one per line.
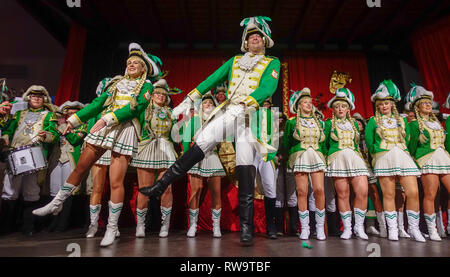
<point>183,107</point>
<point>236,110</point>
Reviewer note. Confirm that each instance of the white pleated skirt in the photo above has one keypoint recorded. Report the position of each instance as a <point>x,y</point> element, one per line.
<point>208,167</point>
<point>309,161</point>
<point>121,139</point>
<point>347,163</point>
<point>156,154</point>
<point>396,162</point>
<point>105,159</point>
<point>439,163</point>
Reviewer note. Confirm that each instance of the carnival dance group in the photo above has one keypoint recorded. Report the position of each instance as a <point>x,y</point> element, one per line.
<point>130,123</point>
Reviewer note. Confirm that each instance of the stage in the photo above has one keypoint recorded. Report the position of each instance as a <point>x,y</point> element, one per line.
<point>204,245</point>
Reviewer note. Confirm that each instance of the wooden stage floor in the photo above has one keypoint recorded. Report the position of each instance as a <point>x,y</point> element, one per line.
<point>204,245</point>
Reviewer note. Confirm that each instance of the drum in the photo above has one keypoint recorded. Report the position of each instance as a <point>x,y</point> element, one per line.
<point>26,160</point>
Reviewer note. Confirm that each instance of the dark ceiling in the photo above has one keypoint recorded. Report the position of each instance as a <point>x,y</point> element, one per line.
<point>317,24</point>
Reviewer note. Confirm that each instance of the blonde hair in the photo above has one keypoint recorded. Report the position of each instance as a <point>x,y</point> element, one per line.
<point>422,138</point>
<point>349,118</point>
<point>314,116</point>
<point>398,118</point>
<point>135,92</point>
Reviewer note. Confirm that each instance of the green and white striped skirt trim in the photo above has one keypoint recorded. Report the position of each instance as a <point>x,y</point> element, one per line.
<point>396,162</point>
<point>156,154</point>
<point>121,139</point>
<point>439,163</point>
<point>309,161</point>
<point>105,159</point>
<point>208,167</point>
<point>347,163</point>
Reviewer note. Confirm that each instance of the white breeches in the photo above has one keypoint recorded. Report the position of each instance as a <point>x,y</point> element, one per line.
<point>225,126</point>
<point>268,176</point>
<point>58,177</point>
<point>27,184</point>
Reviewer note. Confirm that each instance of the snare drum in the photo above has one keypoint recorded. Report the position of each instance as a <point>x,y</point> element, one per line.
<point>26,160</point>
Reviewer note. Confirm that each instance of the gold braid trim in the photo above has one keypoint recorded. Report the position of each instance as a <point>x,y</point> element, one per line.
<point>285,69</point>
<point>135,91</point>
<point>333,128</point>
<point>422,138</point>
<point>353,121</point>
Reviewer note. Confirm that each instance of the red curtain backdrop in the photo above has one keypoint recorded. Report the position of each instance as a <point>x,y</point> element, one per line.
<point>69,83</point>
<point>431,46</point>
<point>313,70</point>
<point>188,68</point>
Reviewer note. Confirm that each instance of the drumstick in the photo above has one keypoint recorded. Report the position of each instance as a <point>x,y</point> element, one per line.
<point>31,140</point>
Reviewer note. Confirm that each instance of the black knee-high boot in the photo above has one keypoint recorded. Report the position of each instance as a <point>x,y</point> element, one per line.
<point>279,221</point>
<point>293,221</point>
<point>269,205</point>
<point>28,217</point>
<point>246,178</point>
<point>176,171</point>
<point>64,215</point>
<point>312,222</point>
<point>333,223</point>
<point>8,216</point>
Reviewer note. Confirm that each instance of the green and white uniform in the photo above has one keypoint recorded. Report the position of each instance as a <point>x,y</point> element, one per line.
<point>344,158</point>
<point>155,149</point>
<point>123,128</point>
<point>23,130</point>
<point>302,138</point>
<point>431,156</point>
<point>390,155</point>
<point>210,166</point>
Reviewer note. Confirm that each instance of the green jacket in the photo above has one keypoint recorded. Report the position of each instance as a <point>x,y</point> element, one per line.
<point>331,144</point>
<point>447,138</point>
<point>416,148</point>
<point>76,139</point>
<point>48,125</point>
<point>161,124</point>
<point>293,145</point>
<point>373,140</point>
<point>266,84</point>
<point>124,114</point>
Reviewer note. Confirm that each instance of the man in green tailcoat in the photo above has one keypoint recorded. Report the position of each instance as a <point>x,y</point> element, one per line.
<point>252,78</point>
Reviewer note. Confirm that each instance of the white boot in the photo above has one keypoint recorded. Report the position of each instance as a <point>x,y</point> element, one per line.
<point>413,223</point>
<point>440,225</point>
<point>320,224</point>
<point>401,226</point>
<point>358,229</point>
<point>94,211</point>
<point>392,224</point>
<point>382,224</point>
<point>193,217</point>
<point>165,221</point>
<point>430,219</point>
<point>55,206</point>
<point>371,230</point>
<point>112,230</point>
<point>140,224</point>
<point>304,222</point>
<point>347,221</point>
<point>216,222</point>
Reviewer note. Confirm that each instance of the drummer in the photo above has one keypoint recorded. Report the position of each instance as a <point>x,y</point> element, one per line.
<point>32,126</point>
